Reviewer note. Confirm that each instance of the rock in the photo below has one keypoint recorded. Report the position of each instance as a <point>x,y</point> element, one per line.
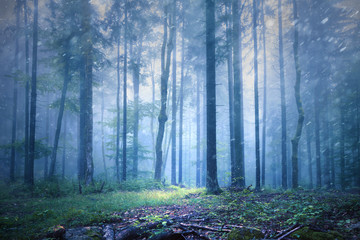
<point>245,234</point>
<point>308,234</point>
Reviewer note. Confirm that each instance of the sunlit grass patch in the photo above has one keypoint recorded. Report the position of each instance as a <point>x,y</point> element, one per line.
<point>22,218</point>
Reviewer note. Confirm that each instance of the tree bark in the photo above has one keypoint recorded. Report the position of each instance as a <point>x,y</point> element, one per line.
<point>297,136</point>
<point>308,144</point>
<point>283,104</point>
<point>173,117</point>
<point>263,150</point>
<point>29,168</point>
<point>15,95</point>
<point>211,179</point>
<point>124,134</point>
<point>317,136</point>
<point>117,110</point>
<point>27,85</point>
<point>256,96</point>
<point>230,90</point>
<point>198,130</point>
<point>61,111</point>
<point>64,148</point>
<point>238,176</point>
<point>165,65</point>
<point>181,93</point>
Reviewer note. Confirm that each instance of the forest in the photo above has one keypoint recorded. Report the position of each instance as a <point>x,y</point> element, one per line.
<point>180,119</point>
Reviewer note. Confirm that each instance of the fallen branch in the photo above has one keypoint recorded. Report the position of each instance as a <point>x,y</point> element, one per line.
<point>285,231</point>
<point>204,228</point>
<point>290,232</point>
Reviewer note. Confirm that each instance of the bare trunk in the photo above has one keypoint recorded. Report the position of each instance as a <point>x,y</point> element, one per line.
<point>165,65</point>
<point>117,110</point>
<point>283,105</point>
<point>297,136</point>
<point>173,118</point>
<point>124,134</point>
<point>29,168</point>
<point>263,150</point>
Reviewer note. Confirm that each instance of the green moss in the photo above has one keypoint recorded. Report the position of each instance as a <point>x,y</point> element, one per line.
<point>245,234</point>
<point>308,234</point>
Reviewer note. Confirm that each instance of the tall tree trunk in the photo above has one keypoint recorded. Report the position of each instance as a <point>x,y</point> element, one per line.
<point>230,90</point>
<point>238,177</point>
<point>47,136</point>
<point>317,135</point>
<point>61,111</point>
<point>283,104</point>
<point>198,130</point>
<point>86,169</point>
<point>263,150</point>
<point>29,168</point>
<point>27,86</point>
<point>136,79</point>
<point>181,93</point>
<point>117,110</point>
<point>153,113</point>
<point>102,130</point>
<point>15,95</point>
<point>342,145</point>
<point>297,136</point>
<point>64,148</point>
<point>256,96</point>
<point>211,178</point>
<point>125,97</point>
<point>204,150</point>
<point>326,139</point>
<point>165,65</point>
<point>173,118</point>
<point>308,145</point>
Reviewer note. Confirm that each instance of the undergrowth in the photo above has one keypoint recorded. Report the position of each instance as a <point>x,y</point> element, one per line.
<point>26,214</point>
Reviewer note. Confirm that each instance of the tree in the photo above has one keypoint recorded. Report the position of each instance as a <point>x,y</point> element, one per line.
<point>166,50</point>
<point>211,178</point>
<point>263,150</point>
<point>297,136</point>
<point>29,168</point>
<point>15,94</point>
<point>86,169</point>
<point>173,120</point>
<point>283,104</point>
<point>27,86</point>
<point>256,96</point>
<point>124,162</point>
<point>198,130</point>
<point>238,176</point>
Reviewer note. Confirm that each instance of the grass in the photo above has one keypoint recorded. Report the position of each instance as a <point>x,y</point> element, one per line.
<point>30,217</point>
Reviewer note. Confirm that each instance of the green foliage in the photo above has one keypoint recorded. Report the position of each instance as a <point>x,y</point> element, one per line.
<point>41,149</point>
<point>44,211</point>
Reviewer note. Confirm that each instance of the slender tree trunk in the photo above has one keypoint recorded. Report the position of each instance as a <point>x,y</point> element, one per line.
<point>86,165</point>
<point>211,179</point>
<point>204,150</point>
<point>317,136</point>
<point>297,136</point>
<point>238,177</point>
<point>165,67</point>
<point>64,148</point>
<point>153,113</point>
<point>256,95</point>
<point>47,135</point>
<point>102,130</point>
<point>198,130</point>
<point>342,146</point>
<point>231,91</point>
<point>283,104</point>
<point>27,86</point>
<point>308,144</point>
<point>173,122</point>
<point>136,79</point>
<point>181,99</point>
<point>125,97</point>
<point>15,95</point>
<point>263,150</point>
<point>61,113</point>
<point>29,171</point>
<point>326,139</point>
<point>117,110</point>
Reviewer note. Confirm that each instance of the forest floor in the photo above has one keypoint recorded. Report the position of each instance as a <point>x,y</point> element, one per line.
<point>178,213</point>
